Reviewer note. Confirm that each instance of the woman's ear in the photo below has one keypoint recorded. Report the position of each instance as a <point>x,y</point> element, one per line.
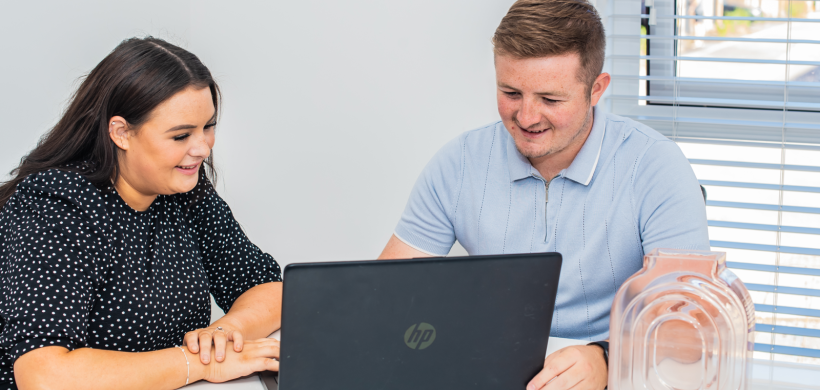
<point>118,131</point>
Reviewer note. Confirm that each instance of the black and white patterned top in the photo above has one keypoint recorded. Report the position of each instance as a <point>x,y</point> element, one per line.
<point>80,268</point>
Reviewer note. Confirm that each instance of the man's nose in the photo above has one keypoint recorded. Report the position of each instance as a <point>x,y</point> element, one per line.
<point>528,116</point>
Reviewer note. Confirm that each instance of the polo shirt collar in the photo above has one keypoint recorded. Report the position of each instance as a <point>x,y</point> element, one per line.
<point>520,167</point>
<point>585,162</point>
<point>582,167</point>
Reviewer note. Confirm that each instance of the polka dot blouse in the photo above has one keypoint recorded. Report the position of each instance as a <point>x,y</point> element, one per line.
<point>80,268</point>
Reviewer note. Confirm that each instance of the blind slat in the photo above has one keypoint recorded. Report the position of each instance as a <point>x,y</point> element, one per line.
<point>743,103</point>
<point>783,289</point>
<point>755,144</point>
<point>714,59</point>
<point>795,311</point>
<point>741,164</point>
<point>784,350</point>
<point>765,248</point>
<point>722,39</point>
<point>758,206</point>
<point>768,228</point>
<point>774,268</point>
<point>698,17</point>
<point>730,122</point>
<point>761,186</point>
<point>682,80</point>
<point>790,330</point>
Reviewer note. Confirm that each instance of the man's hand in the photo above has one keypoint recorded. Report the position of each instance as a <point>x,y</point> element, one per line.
<point>580,367</point>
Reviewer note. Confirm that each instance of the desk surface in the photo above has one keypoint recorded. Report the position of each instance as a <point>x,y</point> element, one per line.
<point>766,375</point>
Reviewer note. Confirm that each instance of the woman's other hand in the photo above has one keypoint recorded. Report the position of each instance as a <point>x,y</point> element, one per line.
<point>257,355</point>
<point>200,341</point>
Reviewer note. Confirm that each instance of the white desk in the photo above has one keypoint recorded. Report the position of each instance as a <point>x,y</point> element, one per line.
<point>253,382</point>
<point>766,375</point>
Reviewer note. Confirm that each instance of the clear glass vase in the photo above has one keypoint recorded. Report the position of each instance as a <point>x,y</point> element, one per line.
<point>684,322</point>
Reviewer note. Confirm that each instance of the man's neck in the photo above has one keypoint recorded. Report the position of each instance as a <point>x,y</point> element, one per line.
<point>551,165</point>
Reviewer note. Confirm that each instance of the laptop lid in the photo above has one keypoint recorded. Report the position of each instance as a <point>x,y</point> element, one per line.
<point>434,323</point>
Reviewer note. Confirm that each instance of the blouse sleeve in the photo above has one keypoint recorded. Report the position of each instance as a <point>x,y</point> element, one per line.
<point>48,268</point>
<point>233,263</point>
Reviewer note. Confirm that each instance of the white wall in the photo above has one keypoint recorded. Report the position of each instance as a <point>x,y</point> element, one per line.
<point>331,108</point>
<point>45,46</point>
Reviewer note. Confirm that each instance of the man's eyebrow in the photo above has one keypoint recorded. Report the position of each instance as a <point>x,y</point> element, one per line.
<point>502,85</point>
<point>561,94</point>
<point>548,93</point>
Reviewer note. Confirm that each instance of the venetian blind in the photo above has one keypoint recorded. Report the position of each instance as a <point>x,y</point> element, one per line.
<point>736,83</point>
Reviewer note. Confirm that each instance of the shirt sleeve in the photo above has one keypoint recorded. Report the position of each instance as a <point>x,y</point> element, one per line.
<point>427,221</point>
<point>669,204</point>
<point>232,262</point>
<point>48,270</point>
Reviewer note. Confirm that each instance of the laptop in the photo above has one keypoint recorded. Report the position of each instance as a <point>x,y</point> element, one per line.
<point>433,323</point>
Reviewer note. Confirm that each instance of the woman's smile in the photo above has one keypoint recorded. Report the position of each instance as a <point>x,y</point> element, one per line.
<point>188,169</point>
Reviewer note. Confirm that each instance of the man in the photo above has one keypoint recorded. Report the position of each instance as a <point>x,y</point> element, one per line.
<point>557,174</point>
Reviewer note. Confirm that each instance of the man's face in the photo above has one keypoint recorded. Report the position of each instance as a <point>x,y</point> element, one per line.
<point>542,103</point>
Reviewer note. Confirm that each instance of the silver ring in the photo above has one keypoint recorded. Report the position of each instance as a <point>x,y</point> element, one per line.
<point>219,328</point>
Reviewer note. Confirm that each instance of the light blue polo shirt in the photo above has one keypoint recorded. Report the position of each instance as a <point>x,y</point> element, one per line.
<point>628,191</point>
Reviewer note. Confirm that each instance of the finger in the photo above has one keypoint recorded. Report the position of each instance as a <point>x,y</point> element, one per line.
<point>566,380</point>
<point>266,351</point>
<point>205,340</point>
<point>220,340</point>
<point>270,342</point>
<point>191,341</point>
<point>238,340</point>
<point>552,368</point>
<point>552,357</point>
<point>262,342</point>
<point>271,365</point>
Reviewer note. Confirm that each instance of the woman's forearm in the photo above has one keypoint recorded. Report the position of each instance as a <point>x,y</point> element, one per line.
<point>256,313</point>
<point>87,368</point>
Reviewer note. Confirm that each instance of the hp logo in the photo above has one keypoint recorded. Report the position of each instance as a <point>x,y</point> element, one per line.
<point>420,336</point>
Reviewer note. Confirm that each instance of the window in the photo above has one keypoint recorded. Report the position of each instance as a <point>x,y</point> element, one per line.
<point>736,83</point>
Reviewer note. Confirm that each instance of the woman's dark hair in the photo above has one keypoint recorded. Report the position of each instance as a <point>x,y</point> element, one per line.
<point>138,75</point>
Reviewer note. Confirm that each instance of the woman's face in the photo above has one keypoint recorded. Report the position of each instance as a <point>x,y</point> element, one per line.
<point>163,155</point>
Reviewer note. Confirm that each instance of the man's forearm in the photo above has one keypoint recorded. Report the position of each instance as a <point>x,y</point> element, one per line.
<point>256,313</point>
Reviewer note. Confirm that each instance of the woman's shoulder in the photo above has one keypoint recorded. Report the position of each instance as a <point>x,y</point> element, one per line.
<point>54,189</point>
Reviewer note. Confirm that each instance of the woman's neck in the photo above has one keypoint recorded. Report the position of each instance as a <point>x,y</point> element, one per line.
<point>133,197</point>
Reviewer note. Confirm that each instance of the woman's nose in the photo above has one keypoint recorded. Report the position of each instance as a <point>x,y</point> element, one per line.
<point>200,148</point>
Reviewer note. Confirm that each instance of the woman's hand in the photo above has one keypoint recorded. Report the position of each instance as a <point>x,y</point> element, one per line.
<point>257,355</point>
<point>200,341</point>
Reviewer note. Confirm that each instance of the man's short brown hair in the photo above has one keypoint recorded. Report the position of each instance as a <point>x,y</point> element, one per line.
<point>542,28</point>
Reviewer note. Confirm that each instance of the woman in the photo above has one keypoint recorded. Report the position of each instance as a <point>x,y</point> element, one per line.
<point>112,237</point>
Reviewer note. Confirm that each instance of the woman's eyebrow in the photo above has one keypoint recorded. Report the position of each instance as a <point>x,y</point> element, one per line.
<point>180,127</point>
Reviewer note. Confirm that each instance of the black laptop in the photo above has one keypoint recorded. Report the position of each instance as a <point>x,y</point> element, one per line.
<point>478,322</point>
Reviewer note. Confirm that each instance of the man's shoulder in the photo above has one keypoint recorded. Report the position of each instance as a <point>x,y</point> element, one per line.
<point>471,144</point>
<point>483,133</point>
<point>643,142</point>
<point>650,149</point>
<point>630,128</point>
<point>476,141</point>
